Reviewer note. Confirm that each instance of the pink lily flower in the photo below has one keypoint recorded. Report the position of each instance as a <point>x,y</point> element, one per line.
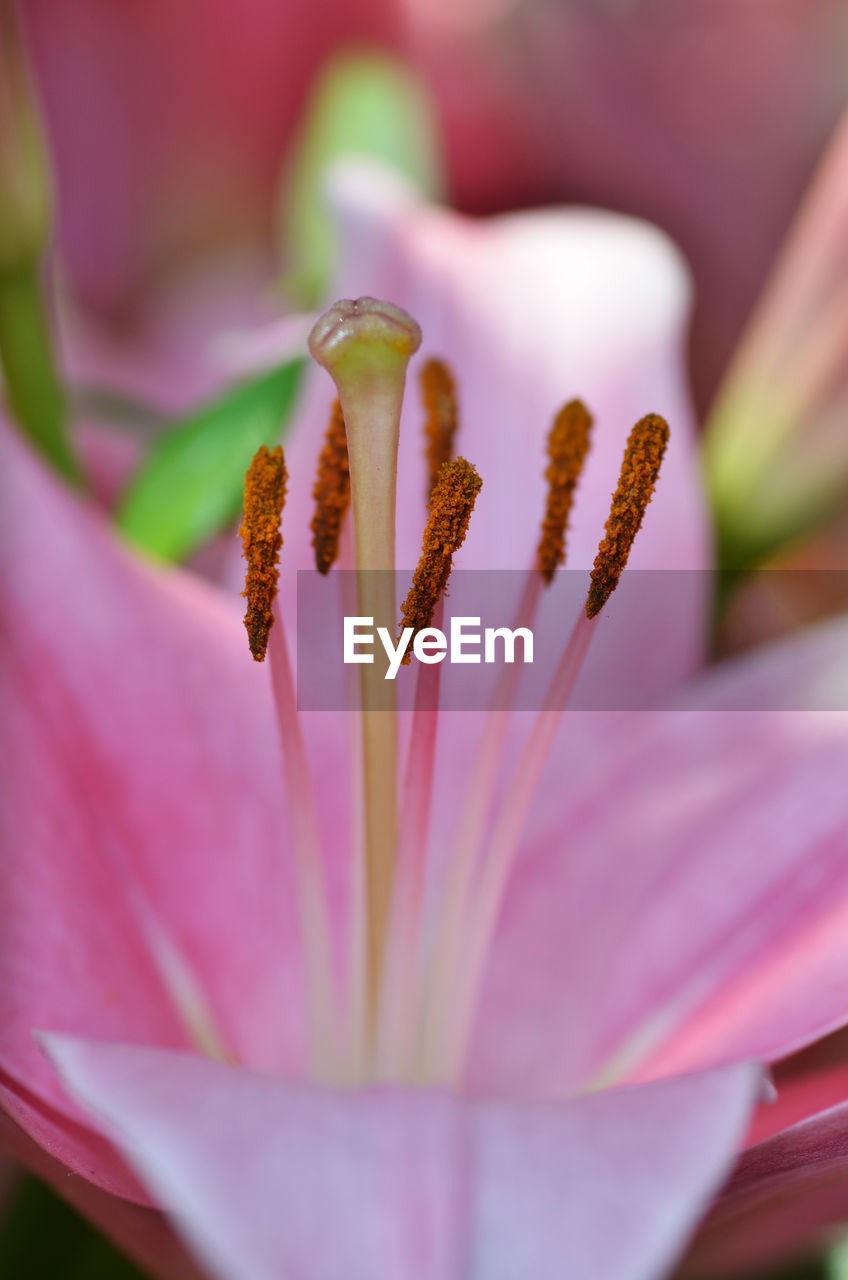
<point>675,908</point>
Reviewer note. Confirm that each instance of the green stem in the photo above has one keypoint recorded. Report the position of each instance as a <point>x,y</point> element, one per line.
<point>33,389</point>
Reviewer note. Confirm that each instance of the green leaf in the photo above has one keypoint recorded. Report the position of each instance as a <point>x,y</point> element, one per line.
<point>190,486</point>
<point>33,388</point>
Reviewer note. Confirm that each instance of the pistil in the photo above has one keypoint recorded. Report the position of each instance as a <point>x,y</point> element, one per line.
<point>366,346</point>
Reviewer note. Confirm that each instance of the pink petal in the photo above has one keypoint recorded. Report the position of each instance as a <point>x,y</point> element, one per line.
<point>144,833</point>
<point>782,1192</point>
<point>266,1178</point>
<point>682,898</point>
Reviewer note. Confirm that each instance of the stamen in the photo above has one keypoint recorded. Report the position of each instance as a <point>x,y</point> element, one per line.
<point>568,444</point>
<point>450,507</point>
<point>331,492</point>
<point>264,496</point>
<point>449,1050</point>
<point>643,456</point>
<point>438,392</point>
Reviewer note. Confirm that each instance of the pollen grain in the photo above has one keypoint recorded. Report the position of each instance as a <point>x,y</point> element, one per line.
<point>264,496</point>
<point>643,457</point>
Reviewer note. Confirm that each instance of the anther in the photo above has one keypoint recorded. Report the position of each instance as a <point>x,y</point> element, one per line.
<point>643,456</point>
<point>438,393</point>
<point>450,507</point>
<point>331,492</point>
<point>568,444</point>
<point>264,496</point>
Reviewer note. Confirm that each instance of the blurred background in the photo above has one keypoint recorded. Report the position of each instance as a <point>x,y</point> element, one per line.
<point>171,121</point>
<point>185,142</point>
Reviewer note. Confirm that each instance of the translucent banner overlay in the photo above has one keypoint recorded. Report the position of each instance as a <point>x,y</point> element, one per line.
<point>652,635</point>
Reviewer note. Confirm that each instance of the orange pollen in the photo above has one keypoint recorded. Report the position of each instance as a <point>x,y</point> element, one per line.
<point>643,457</point>
<point>331,492</point>
<point>264,496</point>
<point>568,444</point>
<point>450,507</point>
<point>438,393</point>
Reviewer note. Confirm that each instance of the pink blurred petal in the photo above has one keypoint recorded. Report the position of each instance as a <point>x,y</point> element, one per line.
<point>109,457</point>
<point>169,122</point>
<point>174,355</point>
<point>144,834</point>
<point>775,448</point>
<point>707,122</point>
<point>717,838</point>
<point>267,1178</point>
<point>782,1193</point>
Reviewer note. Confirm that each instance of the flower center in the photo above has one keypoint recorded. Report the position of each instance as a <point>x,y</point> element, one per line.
<point>411,1016</point>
